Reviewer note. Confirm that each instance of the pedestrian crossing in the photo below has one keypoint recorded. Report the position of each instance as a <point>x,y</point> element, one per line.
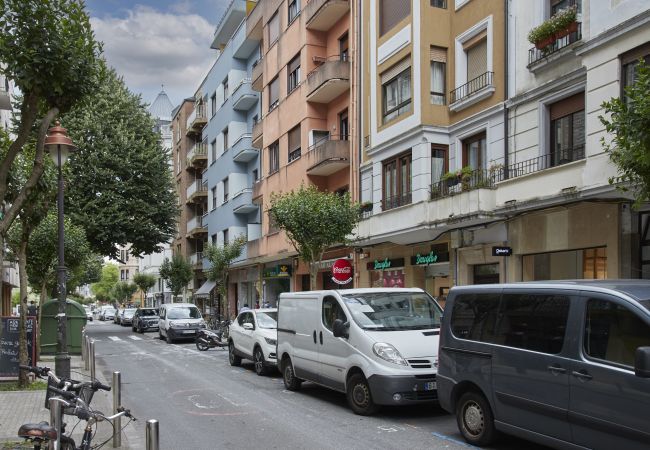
<point>117,338</point>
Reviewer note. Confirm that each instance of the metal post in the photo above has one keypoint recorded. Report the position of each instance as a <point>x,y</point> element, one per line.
<point>117,402</point>
<point>86,346</point>
<point>151,436</point>
<point>55,420</point>
<point>83,348</point>
<point>62,358</point>
<point>92,359</point>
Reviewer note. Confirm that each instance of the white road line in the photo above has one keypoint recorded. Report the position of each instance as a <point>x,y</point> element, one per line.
<point>114,338</point>
<point>135,338</point>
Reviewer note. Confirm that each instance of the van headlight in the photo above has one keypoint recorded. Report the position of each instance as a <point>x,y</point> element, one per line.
<point>202,323</point>
<point>388,353</point>
<point>270,341</point>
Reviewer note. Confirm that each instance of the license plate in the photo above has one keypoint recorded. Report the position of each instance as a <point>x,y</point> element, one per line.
<point>430,386</point>
<point>189,331</point>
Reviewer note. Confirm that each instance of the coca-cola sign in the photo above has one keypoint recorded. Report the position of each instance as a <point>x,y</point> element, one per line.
<point>342,271</point>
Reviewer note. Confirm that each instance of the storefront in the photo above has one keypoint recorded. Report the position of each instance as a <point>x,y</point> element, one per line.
<point>276,279</point>
<point>248,286</point>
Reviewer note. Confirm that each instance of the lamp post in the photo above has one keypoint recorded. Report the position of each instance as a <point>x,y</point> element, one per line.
<point>60,145</point>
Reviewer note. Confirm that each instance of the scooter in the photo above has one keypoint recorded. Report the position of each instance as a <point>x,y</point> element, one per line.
<point>207,339</point>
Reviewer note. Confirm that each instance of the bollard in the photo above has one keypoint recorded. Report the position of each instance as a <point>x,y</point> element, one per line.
<point>151,436</point>
<point>83,342</point>
<point>92,360</point>
<point>55,420</point>
<point>117,402</point>
<point>86,346</point>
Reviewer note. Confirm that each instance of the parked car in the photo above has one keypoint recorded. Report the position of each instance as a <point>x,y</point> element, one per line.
<point>379,346</point>
<point>179,321</point>
<point>145,319</point>
<point>107,314</point>
<point>89,313</point>
<point>253,335</point>
<point>126,316</point>
<point>118,315</point>
<point>565,364</point>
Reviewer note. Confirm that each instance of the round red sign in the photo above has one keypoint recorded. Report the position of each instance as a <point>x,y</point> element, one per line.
<point>342,271</point>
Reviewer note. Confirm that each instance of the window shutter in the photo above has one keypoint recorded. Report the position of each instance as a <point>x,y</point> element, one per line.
<point>274,93</point>
<point>477,60</point>
<point>274,28</point>
<point>395,70</point>
<point>293,64</point>
<point>438,54</point>
<point>391,12</point>
<point>294,139</point>
<point>567,106</point>
<point>475,40</point>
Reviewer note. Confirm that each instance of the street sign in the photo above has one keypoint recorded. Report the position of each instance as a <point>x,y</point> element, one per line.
<point>501,251</point>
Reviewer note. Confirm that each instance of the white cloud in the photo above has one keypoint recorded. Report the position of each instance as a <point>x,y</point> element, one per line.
<point>149,48</point>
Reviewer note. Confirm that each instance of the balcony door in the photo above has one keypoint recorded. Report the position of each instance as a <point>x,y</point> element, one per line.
<point>344,125</point>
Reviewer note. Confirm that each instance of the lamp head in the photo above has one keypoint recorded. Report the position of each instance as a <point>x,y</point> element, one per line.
<point>58,139</point>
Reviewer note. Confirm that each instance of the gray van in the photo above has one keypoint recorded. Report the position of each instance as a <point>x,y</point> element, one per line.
<point>565,364</point>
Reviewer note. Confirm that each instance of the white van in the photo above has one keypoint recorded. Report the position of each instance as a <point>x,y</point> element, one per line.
<point>379,346</point>
<point>179,321</point>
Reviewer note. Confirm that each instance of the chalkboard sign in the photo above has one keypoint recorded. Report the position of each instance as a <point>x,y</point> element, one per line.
<point>9,349</point>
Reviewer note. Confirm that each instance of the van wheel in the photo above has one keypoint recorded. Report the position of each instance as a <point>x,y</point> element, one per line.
<point>291,382</point>
<point>233,359</point>
<point>168,338</point>
<point>258,359</point>
<point>359,396</point>
<point>475,419</point>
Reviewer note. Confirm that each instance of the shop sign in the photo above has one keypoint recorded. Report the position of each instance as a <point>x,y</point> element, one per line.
<point>385,264</point>
<point>501,251</point>
<point>424,260</point>
<point>280,271</point>
<point>341,271</point>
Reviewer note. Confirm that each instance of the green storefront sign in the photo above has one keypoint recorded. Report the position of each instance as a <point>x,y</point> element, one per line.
<point>280,271</point>
<point>424,260</point>
<point>382,265</point>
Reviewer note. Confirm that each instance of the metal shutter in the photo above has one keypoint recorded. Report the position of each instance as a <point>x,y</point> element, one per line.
<point>395,70</point>
<point>477,60</point>
<point>294,139</point>
<point>438,54</point>
<point>391,12</point>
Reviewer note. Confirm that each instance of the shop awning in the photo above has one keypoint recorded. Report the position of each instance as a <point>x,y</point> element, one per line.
<point>205,288</point>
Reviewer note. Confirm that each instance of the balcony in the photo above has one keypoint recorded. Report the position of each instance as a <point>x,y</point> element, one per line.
<point>243,98</point>
<point>243,150</point>
<point>196,259</point>
<point>328,81</point>
<point>242,45</point>
<point>547,161</point>
<point>477,179</point>
<point>256,75</point>
<point>254,22</point>
<point>472,92</point>
<point>242,202</point>
<point>537,57</point>
<point>197,191</point>
<point>232,18</point>
<point>323,14</point>
<point>197,226</point>
<point>257,135</point>
<point>198,155</point>
<point>328,156</point>
<point>257,189</point>
<point>197,120</point>
<point>253,248</point>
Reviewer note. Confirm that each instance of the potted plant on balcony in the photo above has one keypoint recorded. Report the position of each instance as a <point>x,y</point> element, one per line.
<point>558,26</point>
<point>365,207</point>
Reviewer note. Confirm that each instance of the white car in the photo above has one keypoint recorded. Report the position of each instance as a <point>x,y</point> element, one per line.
<point>253,335</point>
<point>89,313</point>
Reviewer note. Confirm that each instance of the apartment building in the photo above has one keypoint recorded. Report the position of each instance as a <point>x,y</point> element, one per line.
<point>304,125</point>
<point>432,101</point>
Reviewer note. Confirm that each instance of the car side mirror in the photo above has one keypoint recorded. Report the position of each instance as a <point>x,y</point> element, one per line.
<point>249,326</point>
<point>341,329</point>
<point>642,362</point>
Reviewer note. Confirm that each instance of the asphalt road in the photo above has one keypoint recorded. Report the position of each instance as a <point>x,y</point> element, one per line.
<point>201,402</point>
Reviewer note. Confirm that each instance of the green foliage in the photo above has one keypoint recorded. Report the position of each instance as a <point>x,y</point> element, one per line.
<point>556,24</point>
<point>144,281</point>
<point>314,220</point>
<point>123,291</point>
<point>220,259</point>
<point>103,289</point>
<point>628,123</point>
<point>122,189</point>
<point>177,273</point>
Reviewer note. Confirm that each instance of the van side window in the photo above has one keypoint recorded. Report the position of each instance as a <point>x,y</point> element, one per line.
<point>613,332</point>
<point>474,316</point>
<point>332,311</point>
<point>533,322</point>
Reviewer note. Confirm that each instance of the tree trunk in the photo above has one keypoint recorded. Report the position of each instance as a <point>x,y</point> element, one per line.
<point>313,274</point>
<point>22,331</point>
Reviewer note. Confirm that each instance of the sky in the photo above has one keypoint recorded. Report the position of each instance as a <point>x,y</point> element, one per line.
<point>158,42</point>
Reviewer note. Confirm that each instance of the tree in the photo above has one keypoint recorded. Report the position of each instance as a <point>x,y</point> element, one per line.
<point>123,291</point>
<point>220,259</point>
<point>144,281</point>
<point>176,273</point>
<point>629,126</point>
<point>121,190</point>
<point>314,221</point>
<point>103,289</point>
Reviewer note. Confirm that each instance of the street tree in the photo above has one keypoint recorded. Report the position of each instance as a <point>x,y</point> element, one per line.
<point>103,289</point>
<point>220,259</point>
<point>176,272</point>
<point>627,121</point>
<point>144,281</point>
<point>121,189</point>
<point>314,221</point>
<point>123,291</point>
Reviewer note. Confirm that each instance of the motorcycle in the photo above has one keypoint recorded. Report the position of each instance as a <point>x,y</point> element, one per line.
<point>208,339</point>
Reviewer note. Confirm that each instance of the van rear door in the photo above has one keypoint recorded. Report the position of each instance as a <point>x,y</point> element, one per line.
<point>334,351</point>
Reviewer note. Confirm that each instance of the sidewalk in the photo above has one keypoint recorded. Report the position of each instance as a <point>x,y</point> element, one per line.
<point>20,407</point>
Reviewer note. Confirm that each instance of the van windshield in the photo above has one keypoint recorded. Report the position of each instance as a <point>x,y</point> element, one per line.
<point>645,304</point>
<point>393,311</point>
<point>186,312</point>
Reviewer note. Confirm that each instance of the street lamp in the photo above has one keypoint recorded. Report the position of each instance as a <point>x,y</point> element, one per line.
<point>60,145</point>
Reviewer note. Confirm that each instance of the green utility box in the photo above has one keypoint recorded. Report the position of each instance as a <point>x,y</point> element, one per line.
<point>76,320</point>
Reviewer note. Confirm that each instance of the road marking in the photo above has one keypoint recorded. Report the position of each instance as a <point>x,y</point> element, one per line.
<point>135,338</point>
<point>114,338</point>
<point>451,439</point>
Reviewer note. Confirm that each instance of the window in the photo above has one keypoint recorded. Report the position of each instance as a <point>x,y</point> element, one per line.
<point>213,104</point>
<point>396,92</point>
<point>274,93</point>
<point>225,190</point>
<point>214,197</point>
<point>122,255</point>
<point>213,239</point>
<point>127,274</point>
<point>397,182</point>
<point>475,152</point>
<point>392,12</point>
<point>213,150</point>
<point>476,53</point>
<point>294,9</point>
<point>439,4</point>
<point>294,143</point>
<point>121,274</point>
<point>293,71</point>
<point>274,28</point>
<point>594,263</point>
<point>226,144</point>
<point>344,51</point>
<point>256,176</point>
<point>439,163</point>
<point>438,75</point>
<point>225,89</point>
<point>589,263</point>
<point>344,125</point>
<point>332,311</point>
<point>567,130</point>
<point>559,5</point>
<point>225,237</point>
<point>274,157</point>
<point>485,273</point>
<point>613,333</point>
<point>630,62</point>
<point>474,316</point>
<point>273,226</point>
